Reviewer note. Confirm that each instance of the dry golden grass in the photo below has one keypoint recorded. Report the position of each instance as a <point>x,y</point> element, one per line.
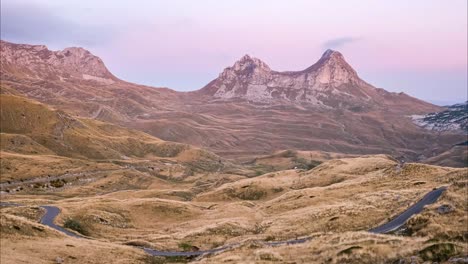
<point>23,241</point>
<point>347,247</point>
<point>289,159</point>
<point>334,202</point>
<point>126,187</point>
<point>16,167</point>
<point>54,131</point>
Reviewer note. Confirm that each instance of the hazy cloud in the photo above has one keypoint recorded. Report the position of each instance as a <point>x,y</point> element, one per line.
<point>339,42</point>
<point>31,23</point>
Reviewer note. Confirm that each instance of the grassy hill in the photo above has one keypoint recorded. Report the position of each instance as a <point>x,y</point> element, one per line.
<point>36,133</point>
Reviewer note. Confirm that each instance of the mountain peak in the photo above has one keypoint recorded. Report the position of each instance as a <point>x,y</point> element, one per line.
<point>332,66</point>
<point>246,57</point>
<point>246,66</point>
<point>330,80</point>
<point>330,53</point>
<point>37,61</point>
<point>250,64</point>
<point>77,50</point>
<point>333,56</point>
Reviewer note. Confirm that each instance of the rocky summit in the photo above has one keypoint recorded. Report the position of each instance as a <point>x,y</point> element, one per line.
<point>331,82</point>
<point>38,62</point>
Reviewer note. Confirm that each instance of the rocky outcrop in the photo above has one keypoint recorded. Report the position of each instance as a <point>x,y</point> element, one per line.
<point>38,62</point>
<point>331,82</point>
<point>453,118</point>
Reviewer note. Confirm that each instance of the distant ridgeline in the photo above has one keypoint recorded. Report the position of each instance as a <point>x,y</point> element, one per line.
<point>454,118</point>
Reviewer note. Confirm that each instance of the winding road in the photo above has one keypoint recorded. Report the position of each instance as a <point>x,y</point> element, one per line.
<point>49,217</point>
<point>416,208</point>
<point>394,224</point>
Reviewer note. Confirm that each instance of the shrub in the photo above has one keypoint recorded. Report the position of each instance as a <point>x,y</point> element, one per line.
<point>304,164</point>
<point>438,252</point>
<point>57,183</point>
<point>278,189</point>
<point>252,194</point>
<point>76,226</point>
<point>185,246</point>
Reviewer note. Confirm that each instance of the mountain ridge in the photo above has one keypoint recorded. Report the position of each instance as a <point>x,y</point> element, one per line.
<point>236,127</point>
<point>331,82</point>
<point>37,61</point>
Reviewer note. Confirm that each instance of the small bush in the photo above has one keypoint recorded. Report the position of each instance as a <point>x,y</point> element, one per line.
<point>289,154</point>
<point>76,226</point>
<point>278,189</point>
<point>259,172</point>
<point>57,183</point>
<point>438,252</point>
<point>336,179</point>
<point>138,243</point>
<point>304,164</point>
<point>185,246</point>
<point>252,194</point>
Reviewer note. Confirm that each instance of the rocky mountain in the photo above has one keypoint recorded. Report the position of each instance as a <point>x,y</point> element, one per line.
<point>76,81</point>
<point>453,118</point>
<point>36,61</point>
<point>248,110</point>
<point>331,82</point>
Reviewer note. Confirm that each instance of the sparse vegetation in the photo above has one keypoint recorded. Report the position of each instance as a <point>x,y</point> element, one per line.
<point>278,189</point>
<point>349,250</point>
<point>75,225</point>
<point>438,252</point>
<point>251,194</point>
<point>185,246</point>
<point>302,163</point>
<point>162,260</point>
<point>58,183</point>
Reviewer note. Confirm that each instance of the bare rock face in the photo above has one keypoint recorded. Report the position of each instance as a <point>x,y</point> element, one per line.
<point>331,82</point>
<point>38,62</point>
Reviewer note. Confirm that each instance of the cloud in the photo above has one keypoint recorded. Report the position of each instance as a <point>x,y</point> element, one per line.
<point>31,23</point>
<point>339,42</point>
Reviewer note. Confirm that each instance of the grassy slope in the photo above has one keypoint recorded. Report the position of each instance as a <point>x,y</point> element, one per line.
<point>35,133</point>
<point>334,202</point>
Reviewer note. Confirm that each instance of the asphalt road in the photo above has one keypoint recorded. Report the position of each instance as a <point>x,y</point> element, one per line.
<point>416,208</point>
<point>49,217</point>
<point>429,198</point>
